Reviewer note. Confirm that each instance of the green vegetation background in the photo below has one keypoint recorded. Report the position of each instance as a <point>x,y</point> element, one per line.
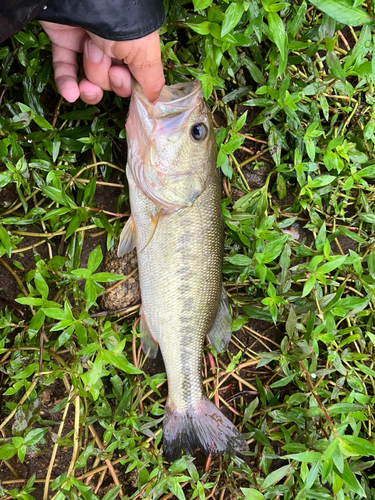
<point>291,85</point>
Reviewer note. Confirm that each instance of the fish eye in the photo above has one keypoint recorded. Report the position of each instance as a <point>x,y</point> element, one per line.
<point>198,131</point>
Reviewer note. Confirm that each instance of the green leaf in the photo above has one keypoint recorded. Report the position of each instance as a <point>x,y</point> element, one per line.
<point>30,301</point>
<point>58,196</point>
<point>334,65</point>
<point>90,191</point>
<point>113,492</point>
<point>118,360</point>
<point>5,241</point>
<point>252,494</point>
<point>95,259</point>
<point>7,451</point>
<point>343,12</point>
<point>343,408</point>
<point>42,122</point>
<point>36,323</point>
<point>81,334</point>
<point>79,217</point>
<point>232,17</point>
<point>54,313</point>
<point>34,436</point>
<point>295,23</point>
<point>41,285</point>
<point>357,446</point>
<point>90,293</point>
<point>351,481</point>
<point>29,370</point>
<point>309,285</point>
<point>240,122</point>
<point>320,181</point>
<point>107,277</point>
<point>277,30</point>
<point>283,382</point>
<point>200,5</point>
<point>336,262</point>
<point>306,456</point>
<point>201,28</point>
<point>239,260</point>
<point>275,476</point>
<point>272,250</point>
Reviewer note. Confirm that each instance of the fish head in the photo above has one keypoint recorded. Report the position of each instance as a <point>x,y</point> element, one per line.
<point>171,144</point>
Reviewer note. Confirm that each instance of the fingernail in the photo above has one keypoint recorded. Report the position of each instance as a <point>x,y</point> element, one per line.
<point>93,52</point>
<point>116,80</point>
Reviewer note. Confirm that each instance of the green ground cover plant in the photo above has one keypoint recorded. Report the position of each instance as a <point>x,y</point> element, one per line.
<point>291,87</point>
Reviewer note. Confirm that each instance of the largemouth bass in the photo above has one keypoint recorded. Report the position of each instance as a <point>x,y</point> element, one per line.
<point>176,226</point>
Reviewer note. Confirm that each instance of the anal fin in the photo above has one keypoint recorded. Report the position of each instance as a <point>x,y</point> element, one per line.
<point>221,330</point>
<point>127,238</point>
<point>149,345</point>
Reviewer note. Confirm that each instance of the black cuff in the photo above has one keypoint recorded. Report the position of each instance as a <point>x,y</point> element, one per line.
<point>117,20</point>
<point>15,14</point>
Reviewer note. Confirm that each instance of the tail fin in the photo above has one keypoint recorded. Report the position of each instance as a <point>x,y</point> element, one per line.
<point>205,428</point>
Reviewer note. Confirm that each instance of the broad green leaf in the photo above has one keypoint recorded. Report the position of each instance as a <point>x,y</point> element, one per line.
<point>296,21</point>
<point>336,262</point>
<point>276,476</point>
<point>118,360</point>
<point>95,259</point>
<point>351,481</point>
<point>239,260</point>
<point>233,15</point>
<point>343,12</point>
<point>335,66</point>
<point>34,436</point>
<point>113,492</point>
<point>272,250</point>
<point>107,277</point>
<point>340,408</point>
<point>353,445</point>
<point>7,451</point>
<point>201,28</point>
<point>57,195</point>
<point>41,285</point>
<point>42,122</point>
<point>90,293</point>
<point>306,456</point>
<point>252,494</point>
<point>29,370</point>
<point>283,382</point>
<point>277,30</point>
<point>320,181</point>
<point>200,5</point>
<point>79,217</point>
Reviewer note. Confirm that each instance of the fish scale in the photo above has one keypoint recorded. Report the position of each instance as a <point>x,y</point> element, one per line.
<point>176,225</point>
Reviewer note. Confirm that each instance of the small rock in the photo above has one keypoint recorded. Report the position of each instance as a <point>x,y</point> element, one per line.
<point>126,294</point>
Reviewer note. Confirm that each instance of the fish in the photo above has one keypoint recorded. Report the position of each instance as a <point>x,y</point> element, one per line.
<point>176,225</point>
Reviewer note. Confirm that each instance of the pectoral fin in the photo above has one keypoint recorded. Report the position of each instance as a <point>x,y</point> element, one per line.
<point>221,330</point>
<point>154,224</point>
<point>127,238</point>
<point>149,345</point>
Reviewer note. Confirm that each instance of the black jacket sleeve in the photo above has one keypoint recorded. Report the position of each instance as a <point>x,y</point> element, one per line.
<point>111,19</point>
<point>15,14</point>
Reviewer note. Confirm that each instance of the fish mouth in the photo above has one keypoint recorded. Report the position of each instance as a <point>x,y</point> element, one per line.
<point>173,100</point>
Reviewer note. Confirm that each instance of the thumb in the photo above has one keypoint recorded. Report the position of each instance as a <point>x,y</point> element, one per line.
<point>143,58</point>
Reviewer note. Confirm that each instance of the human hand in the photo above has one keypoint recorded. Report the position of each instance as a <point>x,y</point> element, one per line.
<point>108,65</point>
